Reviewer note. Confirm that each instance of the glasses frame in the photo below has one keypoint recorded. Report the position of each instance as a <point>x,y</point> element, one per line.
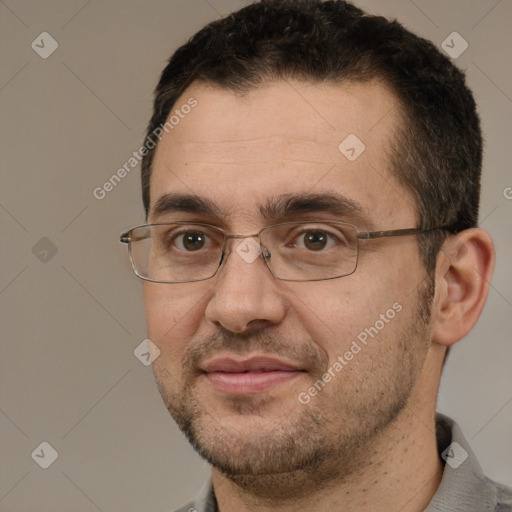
<point>126,238</point>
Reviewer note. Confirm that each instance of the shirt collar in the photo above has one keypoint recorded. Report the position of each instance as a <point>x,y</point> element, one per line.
<point>205,501</point>
<point>463,485</point>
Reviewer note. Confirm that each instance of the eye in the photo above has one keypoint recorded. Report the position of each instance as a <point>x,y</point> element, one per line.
<point>190,240</point>
<point>315,240</point>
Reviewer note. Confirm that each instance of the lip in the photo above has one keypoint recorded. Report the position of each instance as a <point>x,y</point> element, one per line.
<point>249,376</point>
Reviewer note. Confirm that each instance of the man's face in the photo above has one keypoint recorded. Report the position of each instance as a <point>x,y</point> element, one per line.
<point>243,356</point>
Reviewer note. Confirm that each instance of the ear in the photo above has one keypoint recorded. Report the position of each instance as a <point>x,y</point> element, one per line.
<point>463,275</point>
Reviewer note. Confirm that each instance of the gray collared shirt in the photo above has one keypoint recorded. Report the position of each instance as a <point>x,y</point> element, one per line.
<point>463,488</point>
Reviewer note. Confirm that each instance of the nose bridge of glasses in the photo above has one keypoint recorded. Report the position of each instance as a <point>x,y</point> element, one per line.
<point>254,236</point>
<point>249,254</point>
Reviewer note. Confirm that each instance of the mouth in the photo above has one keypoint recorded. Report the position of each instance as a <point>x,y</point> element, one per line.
<point>249,376</point>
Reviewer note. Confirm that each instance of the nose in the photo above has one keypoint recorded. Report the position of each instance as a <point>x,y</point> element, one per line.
<point>245,294</point>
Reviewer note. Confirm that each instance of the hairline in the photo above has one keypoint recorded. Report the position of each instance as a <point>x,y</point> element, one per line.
<point>402,116</point>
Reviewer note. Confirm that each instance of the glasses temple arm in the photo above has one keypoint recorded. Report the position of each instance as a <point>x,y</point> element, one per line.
<point>366,235</point>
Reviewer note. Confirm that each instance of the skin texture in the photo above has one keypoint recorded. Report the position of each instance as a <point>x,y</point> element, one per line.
<point>367,439</point>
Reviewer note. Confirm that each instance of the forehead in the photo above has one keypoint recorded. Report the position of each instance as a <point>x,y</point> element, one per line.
<point>282,138</point>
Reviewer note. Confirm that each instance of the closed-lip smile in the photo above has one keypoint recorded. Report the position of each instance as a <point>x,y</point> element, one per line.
<point>236,376</point>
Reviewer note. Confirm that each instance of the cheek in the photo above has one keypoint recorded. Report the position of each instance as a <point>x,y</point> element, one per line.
<point>173,315</point>
<point>335,313</point>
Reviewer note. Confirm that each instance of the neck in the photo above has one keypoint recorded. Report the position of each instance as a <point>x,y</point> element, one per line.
<point>400,471</point>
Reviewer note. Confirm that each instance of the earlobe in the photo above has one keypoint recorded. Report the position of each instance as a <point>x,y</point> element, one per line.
<point>463,275</point>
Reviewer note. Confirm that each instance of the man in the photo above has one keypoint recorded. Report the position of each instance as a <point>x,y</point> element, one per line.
<point>311,186</point>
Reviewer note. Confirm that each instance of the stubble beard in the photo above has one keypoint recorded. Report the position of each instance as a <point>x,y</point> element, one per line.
<point>310,446</point>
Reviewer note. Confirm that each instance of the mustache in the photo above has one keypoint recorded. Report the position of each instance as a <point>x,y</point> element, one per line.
<point>306,353</point>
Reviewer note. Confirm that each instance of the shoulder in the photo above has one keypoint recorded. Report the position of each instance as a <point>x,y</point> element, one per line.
<point>503,496</point>
<point>464,486</point>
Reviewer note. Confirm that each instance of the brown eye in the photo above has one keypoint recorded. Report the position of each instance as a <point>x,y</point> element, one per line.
<point>315,240</point>
<point>191,241</point>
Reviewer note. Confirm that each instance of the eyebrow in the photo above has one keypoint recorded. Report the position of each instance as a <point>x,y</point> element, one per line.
<point>185,203</point>
<point>276,209</point>
<point>291,205</point>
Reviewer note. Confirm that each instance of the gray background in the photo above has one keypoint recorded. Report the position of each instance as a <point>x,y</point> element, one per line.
<point>71,320</point>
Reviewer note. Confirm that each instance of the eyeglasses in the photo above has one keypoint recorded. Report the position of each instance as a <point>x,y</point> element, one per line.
<point>184,252</point>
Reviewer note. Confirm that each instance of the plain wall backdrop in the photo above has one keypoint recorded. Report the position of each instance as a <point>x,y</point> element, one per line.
<point>72,311</point>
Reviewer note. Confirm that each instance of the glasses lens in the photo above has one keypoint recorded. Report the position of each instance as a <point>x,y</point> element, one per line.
<point>174,253</point>
<point>311,251</point>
